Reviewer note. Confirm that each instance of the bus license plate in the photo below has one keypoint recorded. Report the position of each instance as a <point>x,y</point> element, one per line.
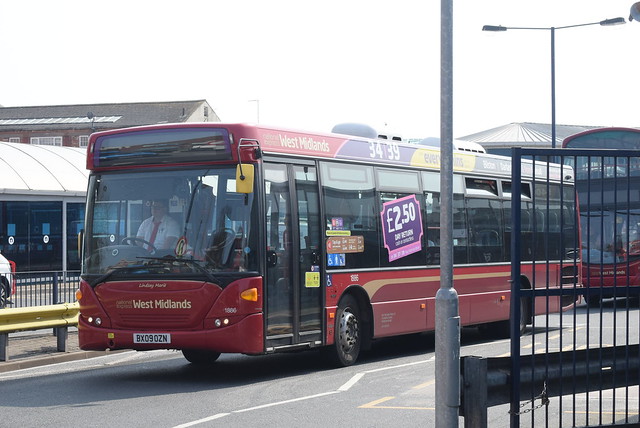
<point>151,338</point>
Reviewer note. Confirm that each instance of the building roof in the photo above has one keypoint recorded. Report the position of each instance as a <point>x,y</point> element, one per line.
<point>27,169</point>
<point>105,116</point>
<point>525,134</point>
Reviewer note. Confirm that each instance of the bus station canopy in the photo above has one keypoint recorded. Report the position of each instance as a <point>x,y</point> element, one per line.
<point>524,134</point>
<point>27,169</point>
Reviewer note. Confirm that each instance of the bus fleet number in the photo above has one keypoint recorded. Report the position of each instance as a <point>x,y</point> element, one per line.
<point>388,150</point>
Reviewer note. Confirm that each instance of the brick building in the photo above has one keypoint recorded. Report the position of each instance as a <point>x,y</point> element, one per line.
<point>70,125</point>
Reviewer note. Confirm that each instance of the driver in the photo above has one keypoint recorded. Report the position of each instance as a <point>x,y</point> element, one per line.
<point>160,230</point>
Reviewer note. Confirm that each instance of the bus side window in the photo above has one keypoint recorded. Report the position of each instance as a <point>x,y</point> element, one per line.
<point>460,235</point>
<point>432,219</point>
<point>350,209</point>
<point>485,231</point>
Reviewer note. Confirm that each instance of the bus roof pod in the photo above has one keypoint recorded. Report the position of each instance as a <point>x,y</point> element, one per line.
<point>355,129</point>
<point>364,131</point>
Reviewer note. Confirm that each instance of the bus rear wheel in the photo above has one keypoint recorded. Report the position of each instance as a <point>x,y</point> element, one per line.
<point>198,356</point>
<point>594,301</point>
<point>348,333</point>
<point>502,329</point>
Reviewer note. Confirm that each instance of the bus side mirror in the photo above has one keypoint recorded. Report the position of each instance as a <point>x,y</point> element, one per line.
<point>244,178</point>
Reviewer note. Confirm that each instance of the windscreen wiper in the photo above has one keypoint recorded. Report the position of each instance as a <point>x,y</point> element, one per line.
<point>193,262</point>
<point>106,275</point>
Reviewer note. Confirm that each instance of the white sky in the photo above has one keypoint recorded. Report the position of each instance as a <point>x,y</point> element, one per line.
<point>313,64</point>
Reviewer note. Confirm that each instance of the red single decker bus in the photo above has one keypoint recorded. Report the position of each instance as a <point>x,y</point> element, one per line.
<point>229,238</point>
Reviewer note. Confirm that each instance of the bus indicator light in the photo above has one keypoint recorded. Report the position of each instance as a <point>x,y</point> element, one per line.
<point>251,295</point>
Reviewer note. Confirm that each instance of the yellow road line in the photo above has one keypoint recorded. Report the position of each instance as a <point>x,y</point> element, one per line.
<point>424,385</point>
<point>374,405</point>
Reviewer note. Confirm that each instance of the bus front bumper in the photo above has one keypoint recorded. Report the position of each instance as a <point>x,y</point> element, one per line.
<point>244,337</point>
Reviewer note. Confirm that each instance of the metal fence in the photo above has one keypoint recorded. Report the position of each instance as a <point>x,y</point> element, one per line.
<point>44,288</point>
<point>579,367</point>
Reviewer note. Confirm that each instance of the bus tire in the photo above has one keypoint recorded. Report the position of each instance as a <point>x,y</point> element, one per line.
<point>201,357</point>
<point>5,292</point>
<point>502,329</point>
<point>594,301</point>
<point>347,333</point>
<point>525,314</point>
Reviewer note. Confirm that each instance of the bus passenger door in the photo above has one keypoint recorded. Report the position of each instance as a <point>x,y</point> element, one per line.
<point>292,287</point>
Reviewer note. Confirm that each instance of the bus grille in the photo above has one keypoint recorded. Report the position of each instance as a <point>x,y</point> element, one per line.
<point>153,320</point>
<point>570,276</point>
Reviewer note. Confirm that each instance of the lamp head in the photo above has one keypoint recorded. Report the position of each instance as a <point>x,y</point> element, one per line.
<point>613,21</point>
<point>494,28</point>
<point>635,12</point>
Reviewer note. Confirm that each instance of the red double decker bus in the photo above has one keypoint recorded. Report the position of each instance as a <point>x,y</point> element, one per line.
<point>275,240</point>
<point>607,182</point>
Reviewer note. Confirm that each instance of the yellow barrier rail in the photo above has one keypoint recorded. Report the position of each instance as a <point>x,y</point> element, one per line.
<point>38,317</point>
<point>59,316</point>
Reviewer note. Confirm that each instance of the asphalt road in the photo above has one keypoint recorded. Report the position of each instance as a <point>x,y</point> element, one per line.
<point>392,385</point>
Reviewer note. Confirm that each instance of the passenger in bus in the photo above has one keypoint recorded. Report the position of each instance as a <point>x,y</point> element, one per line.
<point>160,230</point>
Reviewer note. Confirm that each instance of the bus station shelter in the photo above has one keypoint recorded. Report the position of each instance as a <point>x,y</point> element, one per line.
<point>42,201</point>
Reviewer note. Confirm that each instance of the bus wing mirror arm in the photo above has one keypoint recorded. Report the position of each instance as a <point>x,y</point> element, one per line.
<point>245,173</point>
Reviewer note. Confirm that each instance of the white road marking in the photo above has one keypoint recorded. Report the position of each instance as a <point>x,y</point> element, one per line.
<point>345,387</point>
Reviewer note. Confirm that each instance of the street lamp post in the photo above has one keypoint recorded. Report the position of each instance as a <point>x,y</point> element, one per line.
<point>257,109</point>
<point>606,22</point>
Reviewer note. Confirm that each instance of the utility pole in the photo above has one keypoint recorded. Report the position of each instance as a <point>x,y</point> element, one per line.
<point>447,317</point>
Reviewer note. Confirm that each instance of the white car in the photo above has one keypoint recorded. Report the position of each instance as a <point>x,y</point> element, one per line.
<point>7,280</point>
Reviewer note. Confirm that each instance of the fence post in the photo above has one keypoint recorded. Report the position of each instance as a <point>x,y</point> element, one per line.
<point>55,288</point>
<point>62,333</point>
<point>474,391</point>
<point>55,302</point>
<point>4,342</point>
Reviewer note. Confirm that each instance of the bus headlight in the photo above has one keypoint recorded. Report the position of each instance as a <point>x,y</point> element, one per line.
<point>219,323</point>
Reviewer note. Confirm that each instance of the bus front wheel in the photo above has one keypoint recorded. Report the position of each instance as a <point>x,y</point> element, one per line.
<point>197,356</point>
<point>4,294</point>
<point>348,333</point>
